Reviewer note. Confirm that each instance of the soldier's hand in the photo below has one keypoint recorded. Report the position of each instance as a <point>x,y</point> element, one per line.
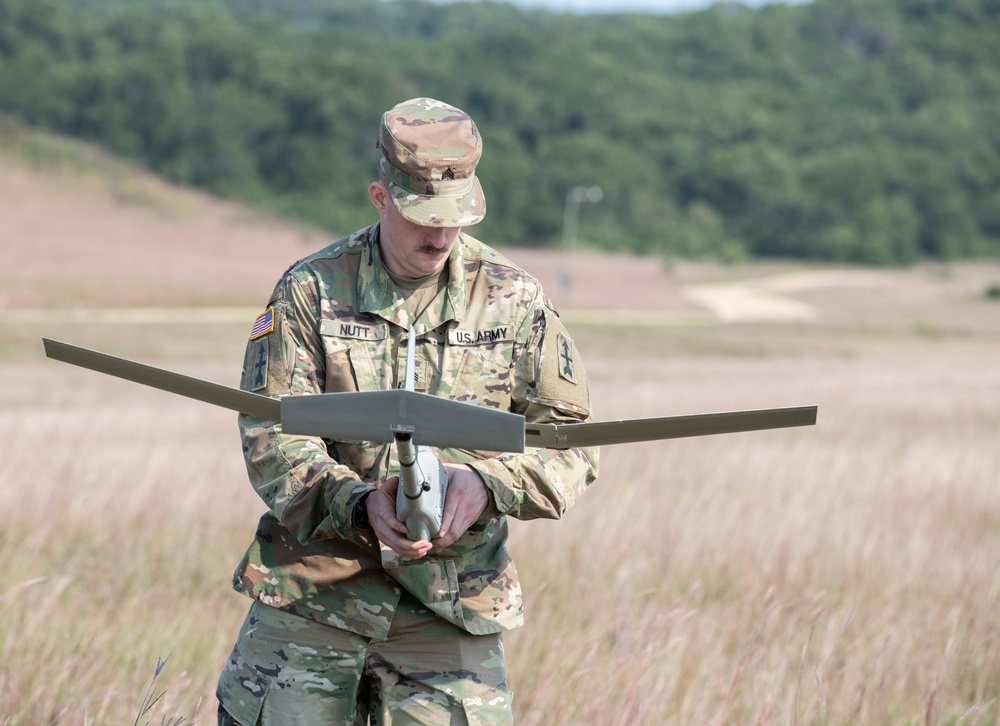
<point>466,500</point>
<point>389,530</point>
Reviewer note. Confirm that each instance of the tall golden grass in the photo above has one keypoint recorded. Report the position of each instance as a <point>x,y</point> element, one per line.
<point>841,574</point>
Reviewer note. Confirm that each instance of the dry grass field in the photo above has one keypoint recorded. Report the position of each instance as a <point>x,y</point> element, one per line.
<point>841,574</point>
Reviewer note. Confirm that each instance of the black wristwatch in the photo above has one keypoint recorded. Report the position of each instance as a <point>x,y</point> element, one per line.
<point>359,517</point>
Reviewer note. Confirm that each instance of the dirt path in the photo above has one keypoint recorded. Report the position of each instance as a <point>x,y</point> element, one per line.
<point>770,298</point>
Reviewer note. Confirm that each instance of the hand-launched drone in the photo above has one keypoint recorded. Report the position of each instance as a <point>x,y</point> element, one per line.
<point>418,421</point>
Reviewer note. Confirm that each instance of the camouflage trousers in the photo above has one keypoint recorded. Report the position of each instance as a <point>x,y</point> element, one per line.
<point>289,671</point>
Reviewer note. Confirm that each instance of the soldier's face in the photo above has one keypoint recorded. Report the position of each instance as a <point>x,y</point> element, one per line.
<point>410,250</point>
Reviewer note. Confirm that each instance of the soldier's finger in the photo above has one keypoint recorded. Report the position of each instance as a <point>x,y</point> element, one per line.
<point>451,506</point>
<point>446,520</point>
<point>412,550</point>
<point>396,525</point>
<point>404,547</point>
<point>382,508</point>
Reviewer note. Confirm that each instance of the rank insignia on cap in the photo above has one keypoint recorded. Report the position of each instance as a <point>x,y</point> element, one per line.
<point>567,358</point>
<point>264,324</point>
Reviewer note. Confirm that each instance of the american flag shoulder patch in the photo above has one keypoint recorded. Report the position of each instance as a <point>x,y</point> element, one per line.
<point>263,325</point>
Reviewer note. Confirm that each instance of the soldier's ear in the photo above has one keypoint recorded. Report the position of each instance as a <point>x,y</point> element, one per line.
<point>379,195</point>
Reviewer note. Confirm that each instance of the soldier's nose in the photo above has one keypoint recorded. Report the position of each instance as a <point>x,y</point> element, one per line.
<point>438,237</point>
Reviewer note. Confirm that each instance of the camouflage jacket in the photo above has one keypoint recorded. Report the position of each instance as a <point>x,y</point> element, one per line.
<point>334,323</point>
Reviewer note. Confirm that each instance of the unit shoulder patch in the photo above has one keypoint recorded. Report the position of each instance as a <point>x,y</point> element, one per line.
<point>567,357</point>
<point>255,367</point>
<point>561,376</point>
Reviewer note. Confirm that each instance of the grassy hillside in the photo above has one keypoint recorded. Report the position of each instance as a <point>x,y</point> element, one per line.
<point>83,227</point>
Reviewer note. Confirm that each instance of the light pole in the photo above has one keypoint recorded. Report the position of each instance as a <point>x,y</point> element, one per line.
<point>574,198</point>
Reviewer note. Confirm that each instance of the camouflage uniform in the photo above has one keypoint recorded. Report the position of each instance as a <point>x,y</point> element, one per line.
<point>335,323</point>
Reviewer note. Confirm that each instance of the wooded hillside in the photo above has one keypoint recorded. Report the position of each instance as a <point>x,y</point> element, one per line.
<point>848,130</point>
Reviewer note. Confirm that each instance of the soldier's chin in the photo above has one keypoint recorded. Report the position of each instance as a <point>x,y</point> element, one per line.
<point>432,259</point>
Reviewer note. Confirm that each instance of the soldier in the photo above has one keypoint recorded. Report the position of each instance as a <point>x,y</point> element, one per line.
<point>351,622</point>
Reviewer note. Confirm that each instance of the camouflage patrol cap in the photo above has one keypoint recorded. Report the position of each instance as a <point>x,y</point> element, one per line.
<point>428,153</point>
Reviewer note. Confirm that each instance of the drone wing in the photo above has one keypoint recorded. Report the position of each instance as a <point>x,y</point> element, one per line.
<point>434,421</point>
<point>196,388</point>
<point>605,433</point>
<point>365,416</point>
